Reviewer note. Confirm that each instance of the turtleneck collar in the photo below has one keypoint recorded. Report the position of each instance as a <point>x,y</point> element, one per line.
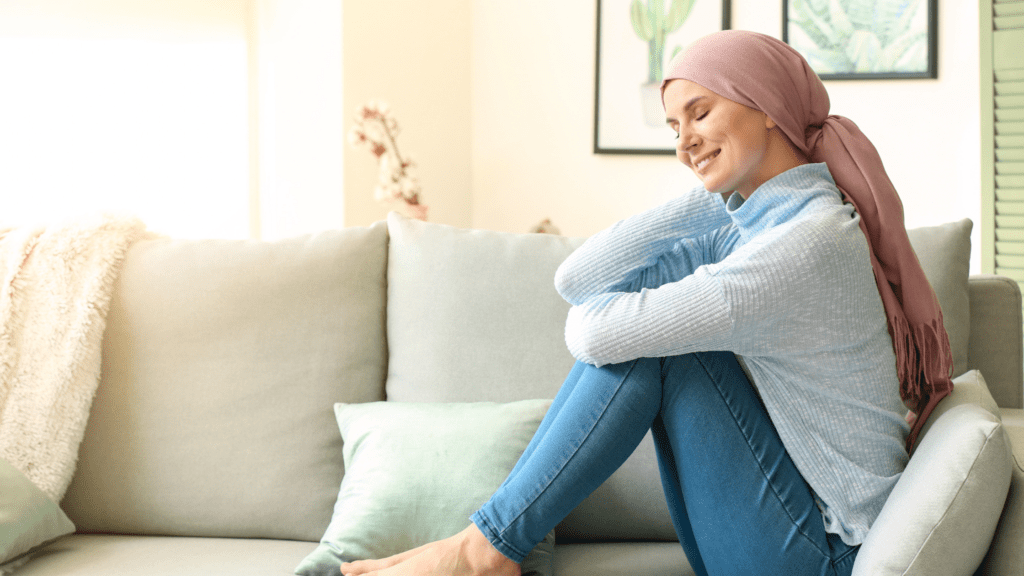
<point>779,199</point>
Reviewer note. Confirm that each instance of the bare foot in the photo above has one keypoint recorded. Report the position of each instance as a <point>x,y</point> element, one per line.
<point>360,567</point>
<point>468,553</point>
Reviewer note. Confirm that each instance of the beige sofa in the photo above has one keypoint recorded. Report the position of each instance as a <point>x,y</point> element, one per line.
<point>212,445</point>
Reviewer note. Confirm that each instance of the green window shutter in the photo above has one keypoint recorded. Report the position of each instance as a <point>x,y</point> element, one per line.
<point>1002,126</point>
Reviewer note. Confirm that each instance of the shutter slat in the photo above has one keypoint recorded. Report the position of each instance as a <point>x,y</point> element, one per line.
<point>1008,22</point>
<point>1009,154</point>
<point>1012,273</point>
<point>1011,181</point>
<point>1008,74</point>
<point>1009,141</point>
<point>1006,114</point>
<point>1010,261</point>
<point>1015,87</point>
<point>1009,9</point>
<point>1010,221</point>
<point>1010,248</point>
<point>1009,167</point>
<point>1011,101</point>
<point>1010,208</point>
<point>1006,45</point>
<point>1010,127</point>
<point>1006,235</point>
<point>1010,194</point>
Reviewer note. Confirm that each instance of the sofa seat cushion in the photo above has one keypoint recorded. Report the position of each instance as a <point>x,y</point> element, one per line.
<point>1012,416</point>
<point>633,558</point>
<point>103,555</point>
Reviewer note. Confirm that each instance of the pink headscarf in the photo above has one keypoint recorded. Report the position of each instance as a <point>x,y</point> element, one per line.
<point>767,74</point>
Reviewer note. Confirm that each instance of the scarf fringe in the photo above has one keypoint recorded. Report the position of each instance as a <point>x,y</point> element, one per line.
<point>924,363</point>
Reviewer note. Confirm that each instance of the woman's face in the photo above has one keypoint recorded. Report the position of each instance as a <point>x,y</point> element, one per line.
<point>725,143</point>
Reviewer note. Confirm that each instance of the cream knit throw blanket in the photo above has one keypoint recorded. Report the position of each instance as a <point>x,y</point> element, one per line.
<point>55,289</point>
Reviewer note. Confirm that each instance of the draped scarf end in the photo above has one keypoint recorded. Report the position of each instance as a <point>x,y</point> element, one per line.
<point>924,364</point>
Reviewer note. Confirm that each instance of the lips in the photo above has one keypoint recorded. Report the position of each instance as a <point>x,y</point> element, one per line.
<point>699,165</point>
<point>704,161</point>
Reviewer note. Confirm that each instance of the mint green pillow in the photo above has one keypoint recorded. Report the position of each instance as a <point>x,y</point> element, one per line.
<point>415,472</point>
<point>28,518</point>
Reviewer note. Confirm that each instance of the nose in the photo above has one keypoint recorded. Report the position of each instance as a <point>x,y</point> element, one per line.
<point>687,140</point>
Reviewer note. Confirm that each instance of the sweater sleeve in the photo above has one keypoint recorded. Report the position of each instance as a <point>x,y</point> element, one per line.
<point>687,315</point>
<point>646,250</point>
<point>767,288</point>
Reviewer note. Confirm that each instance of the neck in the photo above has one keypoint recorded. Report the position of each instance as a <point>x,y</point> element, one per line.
<point>781,198</point>
<point>781,155</point>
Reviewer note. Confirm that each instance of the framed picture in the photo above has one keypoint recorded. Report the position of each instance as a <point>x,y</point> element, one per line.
<point>864,39</point>
<point>636,39</point>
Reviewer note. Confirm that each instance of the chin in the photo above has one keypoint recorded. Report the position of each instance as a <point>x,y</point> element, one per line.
<point>716,189</point>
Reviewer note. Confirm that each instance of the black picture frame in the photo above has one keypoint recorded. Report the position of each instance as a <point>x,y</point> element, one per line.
<point>891,40</point>
<point>628,118</point>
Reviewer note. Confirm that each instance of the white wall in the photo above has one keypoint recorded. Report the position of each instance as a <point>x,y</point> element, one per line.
<point>125,106</point>
<point>532,122</point>
<point>299,145</point>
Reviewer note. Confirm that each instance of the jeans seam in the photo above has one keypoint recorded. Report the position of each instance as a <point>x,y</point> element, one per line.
<point>569,458</point>
<point>846,554</point>
<point>488,525</point>
<point>760,465</point>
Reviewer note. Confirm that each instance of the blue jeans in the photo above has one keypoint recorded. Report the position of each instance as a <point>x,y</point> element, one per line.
<point>737,501</point>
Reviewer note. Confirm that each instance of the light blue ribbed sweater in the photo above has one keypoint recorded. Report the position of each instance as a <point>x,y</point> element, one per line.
<point>782,279</point>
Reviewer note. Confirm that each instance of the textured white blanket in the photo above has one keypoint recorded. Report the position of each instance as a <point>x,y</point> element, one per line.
<point>55,289</point>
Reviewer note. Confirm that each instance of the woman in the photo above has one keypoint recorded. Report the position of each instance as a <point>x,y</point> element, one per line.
<point>763,271</point>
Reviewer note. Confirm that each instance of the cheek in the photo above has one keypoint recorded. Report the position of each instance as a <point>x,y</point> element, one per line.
<point>744,146</point>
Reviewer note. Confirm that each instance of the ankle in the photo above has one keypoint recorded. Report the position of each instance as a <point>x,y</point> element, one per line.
<point>476,546</point>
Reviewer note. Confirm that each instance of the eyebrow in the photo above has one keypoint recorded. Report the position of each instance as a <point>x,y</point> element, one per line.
<point>692,102</point>
<point>689,104</point>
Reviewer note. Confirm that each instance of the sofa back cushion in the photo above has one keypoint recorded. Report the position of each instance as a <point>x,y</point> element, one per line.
<point>473,316</point>
<point>944,252</point>
<point>222,361</point>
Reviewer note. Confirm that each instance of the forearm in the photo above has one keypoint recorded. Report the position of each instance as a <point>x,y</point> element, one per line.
<point>685,316</point>
<point>616,259</point>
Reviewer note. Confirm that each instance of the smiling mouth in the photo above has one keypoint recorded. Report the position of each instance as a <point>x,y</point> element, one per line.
<point>700,165</point>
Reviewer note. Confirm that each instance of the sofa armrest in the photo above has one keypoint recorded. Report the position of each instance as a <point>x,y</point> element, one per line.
<point>1006,555</point>
<point>995,345</point>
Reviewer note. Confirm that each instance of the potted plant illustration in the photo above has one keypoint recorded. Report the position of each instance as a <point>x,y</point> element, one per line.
<point>653,24</point>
